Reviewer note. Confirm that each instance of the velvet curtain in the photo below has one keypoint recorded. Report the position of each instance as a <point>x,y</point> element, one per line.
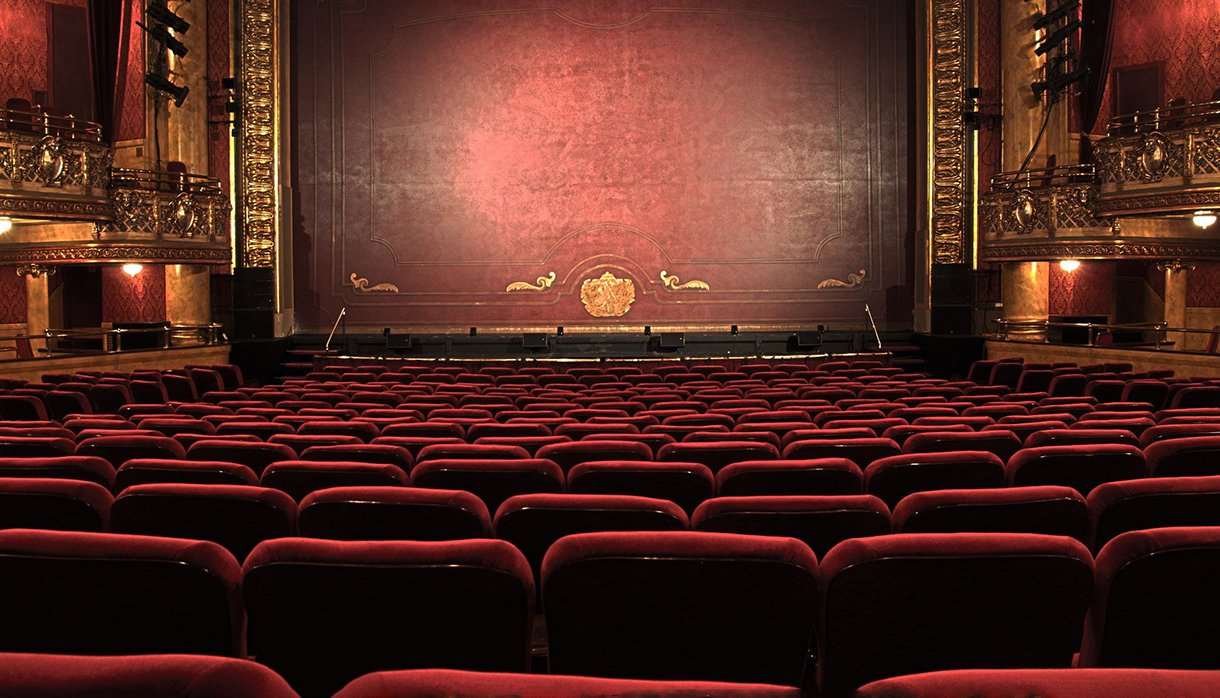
<point>1097,20</point>
<point>107,25</point>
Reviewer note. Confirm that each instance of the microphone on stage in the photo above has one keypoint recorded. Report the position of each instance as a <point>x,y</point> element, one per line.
<point>873,323</point>
<point>334,327</point>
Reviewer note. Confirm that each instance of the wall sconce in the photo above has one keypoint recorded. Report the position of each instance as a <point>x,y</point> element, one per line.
<point>132,268</point>
<point>1069,265</point>
<point>1204,219</point>
<point>6,224</point>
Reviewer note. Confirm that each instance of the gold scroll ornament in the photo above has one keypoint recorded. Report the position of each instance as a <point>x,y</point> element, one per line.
<point>607,295</point>
<point>542,283</point>
<point>361,285</point>
<point>853,280</point>
<point>673,283</point>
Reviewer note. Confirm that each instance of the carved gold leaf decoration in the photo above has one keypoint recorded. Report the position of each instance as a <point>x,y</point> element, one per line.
<point>361,285</point>
<point>673,283</point>
<point>607,295</point>
<point>853,280</point>
<point>541,284</point>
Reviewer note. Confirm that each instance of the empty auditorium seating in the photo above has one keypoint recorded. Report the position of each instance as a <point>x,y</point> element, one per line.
<point>491,479</point>
<point>1047,509</point>
<point>1130,505</point>
<point>88,468</point>
<point>652,588</point>
<point>393,513</point>
<point>237,517</point>
<point>388,605</point>
<point>102,593</point>
<point>798,477</point>
<point>255,455</point>
<point>51,503</point>
<point>895,477</point>
<point>193,676</point>
<point>818,521</point>
<point>908,603</point>
<point>139,471</point>
<point>572,453</point>
<point>686,484</point>
<point>1187,456</point>
<point>1003,443</point>
<point>300,477</point>
<point>1081,467</point>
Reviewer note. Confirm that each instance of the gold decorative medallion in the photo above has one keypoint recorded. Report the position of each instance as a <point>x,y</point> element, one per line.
<point>673,283</point>
<point>541,284</point>
<point>607,295</point>
<point>853,280</point>
<point>361,285</point>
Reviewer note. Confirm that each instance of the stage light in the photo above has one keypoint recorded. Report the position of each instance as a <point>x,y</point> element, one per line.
<point>178,92</point>
<point>1069,265</point>
<point>6,224</point>
<point>160,13</point>
<point>132,268</point>
<point>162,36</point>
<point>1204,219</point>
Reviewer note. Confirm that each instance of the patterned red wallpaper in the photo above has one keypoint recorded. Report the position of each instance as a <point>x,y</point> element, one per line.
<point>12,296</point>
<point>219,40</point>
<point>1203,286</point>
<point>129,96</point>
<point>989,79</point>
<point>1182,33</point>
<point>1089,290</point>
<point>445,149</point>
<point>139,298</point>
<point>23,47</point>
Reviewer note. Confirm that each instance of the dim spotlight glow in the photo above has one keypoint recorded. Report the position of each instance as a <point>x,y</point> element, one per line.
<point>1069,265</point>
<point>131,268</point>
<point>1204,219</point>
<point>6,224</point>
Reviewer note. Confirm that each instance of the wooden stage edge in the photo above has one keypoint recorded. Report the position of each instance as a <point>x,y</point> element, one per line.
<point>154,359</point>
<point>1183,364</point>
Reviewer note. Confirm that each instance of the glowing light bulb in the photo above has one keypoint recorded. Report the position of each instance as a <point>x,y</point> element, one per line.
<point>131,268</point>
<point>6,224</point>
<point>1204,219</point>
<point>1069,265</point>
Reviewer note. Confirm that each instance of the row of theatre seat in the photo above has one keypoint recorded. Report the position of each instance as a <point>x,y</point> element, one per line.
<point>182,676</point>
<point>645,605</point>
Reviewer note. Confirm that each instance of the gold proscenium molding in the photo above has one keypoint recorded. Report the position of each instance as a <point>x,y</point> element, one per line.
<point>607,295</point>
<point>361,285</point>
<point>542,283</point>
<point>673,283</point>
<point>854,279</point>
<point>947,131</point>
<point>260,136</point>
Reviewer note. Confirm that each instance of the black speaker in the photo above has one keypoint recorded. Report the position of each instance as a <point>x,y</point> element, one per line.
<point>672,340</point>
<point>807,339</point>
<point>253,304</point>
<point>534,340</point>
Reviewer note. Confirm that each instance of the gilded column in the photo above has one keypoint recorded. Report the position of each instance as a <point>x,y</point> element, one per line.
<point>188,294</point>
<point>1026,291</point>
<point>259,144</point>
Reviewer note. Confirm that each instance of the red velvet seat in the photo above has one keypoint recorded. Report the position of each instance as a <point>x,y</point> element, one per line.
<point>908,603</point>
<point>819,521</point>
<point>685,484</point>
<point>1048,509</point>
<point>1163,431</point>
<point>1002,443</point>
<point>120,449</point>
<point>1184,457</point>
<point>895,477</point>
<point>1081,467</point>
<point>1081,437</point>
<point>459,604</point>
<point>601,589</point>
<point>533,522</point>
<point>1196,396</point>
<point>256,455</point>
<point>860,451</point>
<point>87,468</point>
<point>902,432</point>
<point>1048,683</point>
<point>183,676</point>
<point>61,403</point>
<point>818,476</point>
<point>170,425</point>
<point>491,479</point>
<point>53,503</point>
<point>35,446</point>
<point>237,517</point>
<point>101,593</point>
<point>429,429</point>
<point>393,513</point>
<point>364,453</point>
<point>463,684</point>
<point>300,477</point>
<point>301,442</point>
<point>361,430</point>
<point>1156,502</point>
<point>1156,604</point>
<point>140,471</point>
<point>574,453</point>
<point>263,430</point>
<point>717,454</point>
<point>469,452</point>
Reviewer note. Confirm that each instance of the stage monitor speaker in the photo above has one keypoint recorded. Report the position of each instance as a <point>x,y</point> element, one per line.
<point>397,342</point>
<point>534,340</point>
<point>807,339</point>
<point>671,340</point>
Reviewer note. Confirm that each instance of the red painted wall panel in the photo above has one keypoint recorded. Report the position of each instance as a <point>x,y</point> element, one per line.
<point>451,148</point>
<point>12,296</point>
<point>139,298</point>
<point>1181,33</point>
<point>24,56</point>
<point>1089,290</point>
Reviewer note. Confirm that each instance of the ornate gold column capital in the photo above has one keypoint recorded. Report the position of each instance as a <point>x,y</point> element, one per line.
<point>1175,265</point>
<point>35,270</point>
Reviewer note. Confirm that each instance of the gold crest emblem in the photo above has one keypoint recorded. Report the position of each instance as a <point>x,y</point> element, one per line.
<point>607,295</point>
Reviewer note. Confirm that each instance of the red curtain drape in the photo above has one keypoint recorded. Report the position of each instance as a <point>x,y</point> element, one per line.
<point>107,25</point>
<point>1097,20</point>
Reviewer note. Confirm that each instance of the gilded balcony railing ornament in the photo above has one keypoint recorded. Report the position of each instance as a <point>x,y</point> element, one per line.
<point>541,284</point>
<point>673,283</point>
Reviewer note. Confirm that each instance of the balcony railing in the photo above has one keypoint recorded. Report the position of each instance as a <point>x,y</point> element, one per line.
<point>1155,335</point>
<point>168,205</point>
<point>1040,203</point>
<point>52,167</point>
<point>103,340</point>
